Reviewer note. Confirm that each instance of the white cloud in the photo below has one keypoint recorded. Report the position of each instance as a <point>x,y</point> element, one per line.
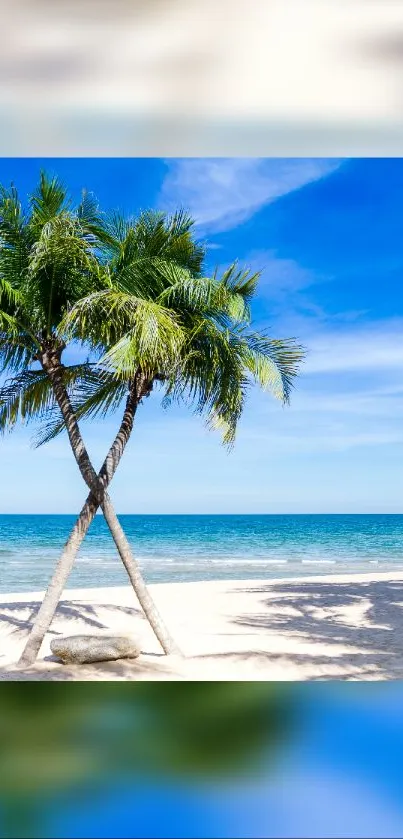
<point>282,285</point>
<point>322,437</point>
<point>380,402</point>
<point>371,348</point>
<point>279,277</point>
<point>224,192</point>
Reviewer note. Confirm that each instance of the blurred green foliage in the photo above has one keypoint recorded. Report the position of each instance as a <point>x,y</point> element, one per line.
<point>59,735</point>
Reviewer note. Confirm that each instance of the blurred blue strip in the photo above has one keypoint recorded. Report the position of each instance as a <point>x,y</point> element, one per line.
<point>340,776</point>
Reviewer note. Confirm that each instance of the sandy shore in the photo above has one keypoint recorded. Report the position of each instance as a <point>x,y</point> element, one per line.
<point>329,627</point>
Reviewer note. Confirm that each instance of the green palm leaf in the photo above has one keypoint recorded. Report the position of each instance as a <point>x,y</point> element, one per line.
<point>136,293</point>
<point>47,202</point>
<point>273,363</point>
<point>26,397</point>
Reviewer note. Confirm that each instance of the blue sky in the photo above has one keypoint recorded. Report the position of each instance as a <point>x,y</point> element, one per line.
<point>328,237</point>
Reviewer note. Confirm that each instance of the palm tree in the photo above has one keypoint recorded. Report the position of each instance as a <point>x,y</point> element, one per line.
<point>155,320</point>
<point>48,259</point>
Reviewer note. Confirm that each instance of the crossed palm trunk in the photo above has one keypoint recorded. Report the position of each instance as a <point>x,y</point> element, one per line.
<point>98,497</point>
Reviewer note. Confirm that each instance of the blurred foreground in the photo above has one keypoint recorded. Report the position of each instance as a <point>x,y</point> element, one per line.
<point>181,77</point>
<point>201,759</point>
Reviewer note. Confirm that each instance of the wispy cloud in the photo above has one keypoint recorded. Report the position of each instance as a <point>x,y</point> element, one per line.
<point>385,402</point>
<point>279,277</point>
<point>327,440</point>
<point>374,347</point>
<point>283,284</point>
<point>222,193</point>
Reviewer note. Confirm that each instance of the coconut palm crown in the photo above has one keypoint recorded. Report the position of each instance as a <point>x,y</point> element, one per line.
<point>187,332</point>
<point>136,294</point>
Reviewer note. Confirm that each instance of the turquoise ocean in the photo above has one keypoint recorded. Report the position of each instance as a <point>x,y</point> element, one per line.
<point>176,548</point>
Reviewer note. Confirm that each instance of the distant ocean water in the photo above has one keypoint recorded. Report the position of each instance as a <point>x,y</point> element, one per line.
<point>191,548</point>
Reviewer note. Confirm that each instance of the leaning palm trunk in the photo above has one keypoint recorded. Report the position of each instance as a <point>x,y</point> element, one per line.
<point>97,497</point>
<point>55,588</point>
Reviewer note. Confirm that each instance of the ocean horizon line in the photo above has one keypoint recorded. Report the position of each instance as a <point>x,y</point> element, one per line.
<point>221,515</point>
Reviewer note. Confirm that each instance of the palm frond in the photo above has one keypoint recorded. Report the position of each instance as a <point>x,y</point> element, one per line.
<point>26,397</point>
<point>131,327</point>
<point>152,342</point>
<point>62,267</point>
<point>10,324</point>
<point>11,215</point>
<point>10,297</point>
<point>221,363</point>
<point>91,223</point>
<point>88,209</point>
<point>274,363</point>
<point>51,427</point>
<point>241,281</point>
<point>15,243</point>
<point>105,397</point>
<point>47,202</point>
<point>154,234</point>
<point>15,355</point>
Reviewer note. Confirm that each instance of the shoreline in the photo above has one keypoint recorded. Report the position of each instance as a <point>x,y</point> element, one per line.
<point>333,626</point>
<point>303,578</point>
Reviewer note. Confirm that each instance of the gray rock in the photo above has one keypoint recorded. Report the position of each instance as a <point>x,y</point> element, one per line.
<point>84,649</point>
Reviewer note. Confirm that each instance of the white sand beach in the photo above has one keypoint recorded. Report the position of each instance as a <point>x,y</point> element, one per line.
<point>316,628</point>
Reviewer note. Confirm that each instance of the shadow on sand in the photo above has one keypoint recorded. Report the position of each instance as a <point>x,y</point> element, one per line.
<point>67,609</point>
<point>370,648</point>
